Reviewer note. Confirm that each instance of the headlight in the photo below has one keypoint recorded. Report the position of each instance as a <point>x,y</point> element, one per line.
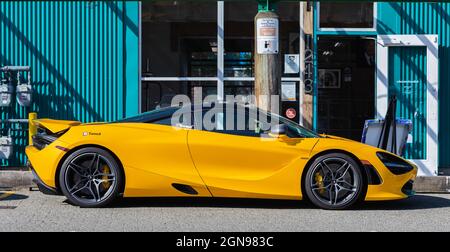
<point>395,164</point>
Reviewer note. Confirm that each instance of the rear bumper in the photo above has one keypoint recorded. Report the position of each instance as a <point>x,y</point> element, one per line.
<point>45,189</point>
<point>44,163</point>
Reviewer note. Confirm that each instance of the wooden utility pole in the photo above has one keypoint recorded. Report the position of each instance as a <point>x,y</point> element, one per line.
<point>267,59</point>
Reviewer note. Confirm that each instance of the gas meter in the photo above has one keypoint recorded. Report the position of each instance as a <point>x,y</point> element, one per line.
<point>24,94</point>
<point>24,91</point>
<point>6,147</point>
<point>6,91</point>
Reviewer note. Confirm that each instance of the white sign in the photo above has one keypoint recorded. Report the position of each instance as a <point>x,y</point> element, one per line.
<point>288,92</point>
<point>291,64</point>
<point>267,35</point>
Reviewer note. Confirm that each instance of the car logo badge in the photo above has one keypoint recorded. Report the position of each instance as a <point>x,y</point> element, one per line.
<point>85,134</point>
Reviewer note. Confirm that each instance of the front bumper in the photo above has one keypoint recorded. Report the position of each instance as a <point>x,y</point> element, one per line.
<point>393,187</point>
<point>408,188</point>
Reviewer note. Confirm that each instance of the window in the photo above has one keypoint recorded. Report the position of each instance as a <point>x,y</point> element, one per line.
<point>151,116</point>
<point>179,50</point>
<point>165,121</point>
<point>178,37</point>
<point>253,125</point>
<point>180,46</point>
<point>347,15</point>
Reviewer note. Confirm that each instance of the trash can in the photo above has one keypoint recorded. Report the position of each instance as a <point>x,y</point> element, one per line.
<point>373,130</point>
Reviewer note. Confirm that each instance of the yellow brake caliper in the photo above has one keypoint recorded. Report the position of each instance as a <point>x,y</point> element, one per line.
<point>105,171</point>
<point>319,180</point>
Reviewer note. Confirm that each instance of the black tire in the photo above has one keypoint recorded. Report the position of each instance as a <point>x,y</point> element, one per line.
<point>335,182</point>
<point>90,178</point>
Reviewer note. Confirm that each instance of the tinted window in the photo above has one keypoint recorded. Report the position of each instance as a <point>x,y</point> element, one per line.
<point>244,121</point>
<point>347,15</point>
<point>253,126</point>
<point>152,116</point>
<point>233,126</point>
<point>165,121</point>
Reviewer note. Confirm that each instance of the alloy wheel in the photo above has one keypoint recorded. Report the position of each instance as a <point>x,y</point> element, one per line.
<point>334,181</point>
<point>90,178</point>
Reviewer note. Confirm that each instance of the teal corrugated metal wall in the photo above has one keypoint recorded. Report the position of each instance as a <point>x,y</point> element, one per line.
<point>425,18</point>
<point>83,57</point>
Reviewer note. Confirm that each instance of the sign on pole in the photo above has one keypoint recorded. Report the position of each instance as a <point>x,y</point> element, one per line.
<point>267,35</point>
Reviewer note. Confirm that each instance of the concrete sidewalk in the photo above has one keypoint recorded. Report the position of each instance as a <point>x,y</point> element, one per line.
<point>23,179</point>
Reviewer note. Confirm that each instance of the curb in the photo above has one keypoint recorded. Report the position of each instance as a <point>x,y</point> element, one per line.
<point>24,179</point>
<point>432,184</point>
<point>16,179</point>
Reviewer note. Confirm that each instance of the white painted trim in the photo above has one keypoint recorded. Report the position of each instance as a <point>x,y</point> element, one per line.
<point>428,166</point>
<point>163,79</point>
<point>370,29</point>
<point>140,60</point>
<point>220,50</point>
<point>213,79</point>
<point>302,49</point>
<point>248,79</point>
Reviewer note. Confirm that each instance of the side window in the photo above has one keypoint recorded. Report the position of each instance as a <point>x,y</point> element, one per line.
<point>167,120</point>
<point>164,121</point>
<point>220,122</point>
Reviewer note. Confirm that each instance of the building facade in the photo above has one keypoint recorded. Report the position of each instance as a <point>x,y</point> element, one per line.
<point>105,60</point>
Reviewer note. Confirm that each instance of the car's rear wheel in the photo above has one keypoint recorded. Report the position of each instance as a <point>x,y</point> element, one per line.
<point>334,182</point>
<point>90,177</point>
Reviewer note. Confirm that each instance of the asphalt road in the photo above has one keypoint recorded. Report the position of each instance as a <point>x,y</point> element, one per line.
<point>32,211</point>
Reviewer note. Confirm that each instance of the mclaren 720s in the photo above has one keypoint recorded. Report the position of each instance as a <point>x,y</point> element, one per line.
<point>151,156</point>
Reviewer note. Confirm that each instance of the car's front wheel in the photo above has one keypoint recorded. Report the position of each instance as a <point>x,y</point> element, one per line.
<point>334,182</point>
<point>90,177</point>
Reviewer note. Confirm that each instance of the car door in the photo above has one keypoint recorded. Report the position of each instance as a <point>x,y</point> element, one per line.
<point>158,160</point>
<point>242,163</point>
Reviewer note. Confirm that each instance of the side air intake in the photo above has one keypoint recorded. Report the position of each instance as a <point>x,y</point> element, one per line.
<point>185,189</point>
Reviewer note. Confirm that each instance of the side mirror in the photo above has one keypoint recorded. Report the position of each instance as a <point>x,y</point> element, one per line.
<point>278,130</point>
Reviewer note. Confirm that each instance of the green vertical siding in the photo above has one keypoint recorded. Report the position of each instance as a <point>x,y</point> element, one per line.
<point>83,56</point>
<point>408,81</point>
<point>425,18</point>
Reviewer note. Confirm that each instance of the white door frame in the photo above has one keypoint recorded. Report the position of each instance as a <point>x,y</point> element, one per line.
<point>428,166</point>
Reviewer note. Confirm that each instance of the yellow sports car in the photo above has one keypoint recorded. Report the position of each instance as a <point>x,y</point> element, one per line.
<point>151,156</point>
